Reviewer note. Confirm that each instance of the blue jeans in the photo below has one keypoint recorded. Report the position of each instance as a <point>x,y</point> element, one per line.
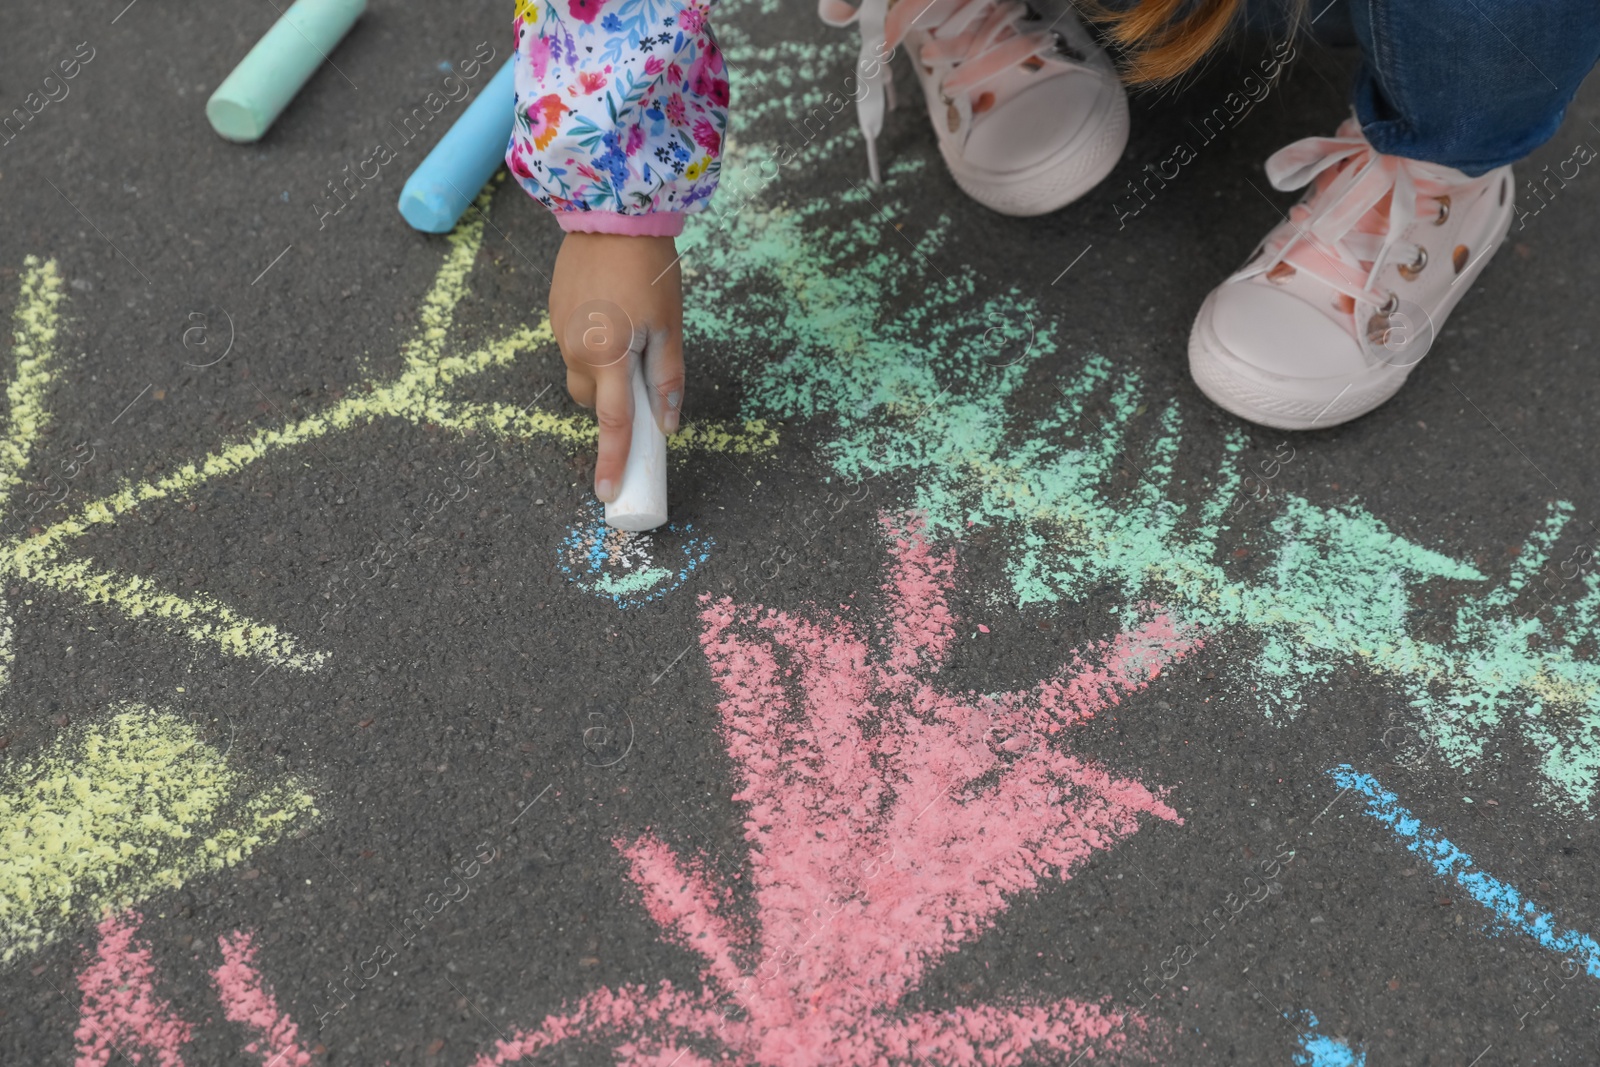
<point>1470,84</point>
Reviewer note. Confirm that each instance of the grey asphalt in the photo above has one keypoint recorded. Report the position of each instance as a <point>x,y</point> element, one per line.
<point>476,694</point>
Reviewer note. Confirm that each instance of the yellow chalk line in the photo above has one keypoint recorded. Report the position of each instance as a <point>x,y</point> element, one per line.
<point>414,396</point>
<point>752,436</point>
<point>409,398</point>
<point>33,347</point>
<point>438,310</point>
<point>38,558</point>
<point>199,616</point>
<point>508,420</point>
<point>135,805</point>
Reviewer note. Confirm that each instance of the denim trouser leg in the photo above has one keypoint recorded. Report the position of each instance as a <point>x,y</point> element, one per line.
<point>1470,84</point>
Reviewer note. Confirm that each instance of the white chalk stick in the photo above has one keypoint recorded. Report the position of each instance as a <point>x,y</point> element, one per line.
<point>641,502</point>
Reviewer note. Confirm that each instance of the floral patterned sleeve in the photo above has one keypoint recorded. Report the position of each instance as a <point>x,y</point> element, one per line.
<point>621,110</point>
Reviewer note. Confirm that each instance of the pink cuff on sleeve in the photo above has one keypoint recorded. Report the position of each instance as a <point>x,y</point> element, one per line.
<point>656,224</point>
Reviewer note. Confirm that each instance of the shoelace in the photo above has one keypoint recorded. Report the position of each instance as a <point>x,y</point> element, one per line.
<point>1345,233</point>
<point>981,36</point>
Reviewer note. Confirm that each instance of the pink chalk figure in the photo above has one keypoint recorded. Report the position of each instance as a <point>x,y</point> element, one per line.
<point>889,824</point>
<point>121,1013</point>
<point>248,1001</point>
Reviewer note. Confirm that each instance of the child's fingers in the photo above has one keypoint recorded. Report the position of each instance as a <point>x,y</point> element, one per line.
<point>600,333</point>
<point>614,412</point>
<point>581,386</point>
<point>664,372</point>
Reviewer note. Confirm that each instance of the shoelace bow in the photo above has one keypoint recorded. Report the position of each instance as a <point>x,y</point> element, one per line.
<point>1342,234</point>
<point>982,37</point>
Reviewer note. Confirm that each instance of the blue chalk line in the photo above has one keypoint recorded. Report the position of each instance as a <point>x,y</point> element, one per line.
<point>1511,910</point>
<point>1319,1051</point>
<point>598,560</point>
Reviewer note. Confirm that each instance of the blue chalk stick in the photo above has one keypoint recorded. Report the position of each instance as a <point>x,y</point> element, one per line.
<point>443,185</point>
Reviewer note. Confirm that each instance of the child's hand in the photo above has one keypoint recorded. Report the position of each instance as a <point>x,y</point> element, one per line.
<point>613,299</point>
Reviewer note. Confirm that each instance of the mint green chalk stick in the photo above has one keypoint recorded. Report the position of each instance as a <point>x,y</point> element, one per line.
<point>250,99</point>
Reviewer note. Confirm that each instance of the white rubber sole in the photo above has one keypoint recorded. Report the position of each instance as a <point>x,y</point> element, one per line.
<point>1268,399</point>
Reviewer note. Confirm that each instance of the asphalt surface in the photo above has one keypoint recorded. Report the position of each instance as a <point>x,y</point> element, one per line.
<point>447,675</point>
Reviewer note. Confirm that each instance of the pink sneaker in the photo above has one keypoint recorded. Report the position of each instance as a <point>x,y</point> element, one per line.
<point>1346,295</point>
<point>1030,114</point>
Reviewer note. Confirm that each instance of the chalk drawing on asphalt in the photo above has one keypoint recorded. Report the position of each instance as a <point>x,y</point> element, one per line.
<point>1080,466</point>
<point>128,807</point>
<point>135,750</point>
<point>432,362</point>
<point>890,823</point>
<point>629,569</point>
<point>1510,912</point>
<point>1319,1050</point>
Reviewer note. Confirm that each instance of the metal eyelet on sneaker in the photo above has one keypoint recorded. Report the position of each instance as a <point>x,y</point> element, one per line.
<point>1379,325</point>
<point>1444,210</point>
<point>1064,48</point>
<point>1460,257</point>
<point>1409,271</point>
<point>1280,273</point>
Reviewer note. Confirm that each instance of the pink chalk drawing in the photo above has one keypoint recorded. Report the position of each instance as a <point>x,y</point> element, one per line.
<point>121,1013</point>
<point>249,1002</point>
<point>889,823</point>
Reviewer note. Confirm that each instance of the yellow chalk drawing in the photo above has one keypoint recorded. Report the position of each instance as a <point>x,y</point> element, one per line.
<point>138,803</point>
<point>134,805</point>
<point>32,348</point>
<point>752,436</point>
<point>417,395</point>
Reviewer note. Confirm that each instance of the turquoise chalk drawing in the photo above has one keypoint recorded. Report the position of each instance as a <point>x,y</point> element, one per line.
<point>1319,1051</point>
<point>620,566</point>
<point>880,334</point>
<point>1509,911</point>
